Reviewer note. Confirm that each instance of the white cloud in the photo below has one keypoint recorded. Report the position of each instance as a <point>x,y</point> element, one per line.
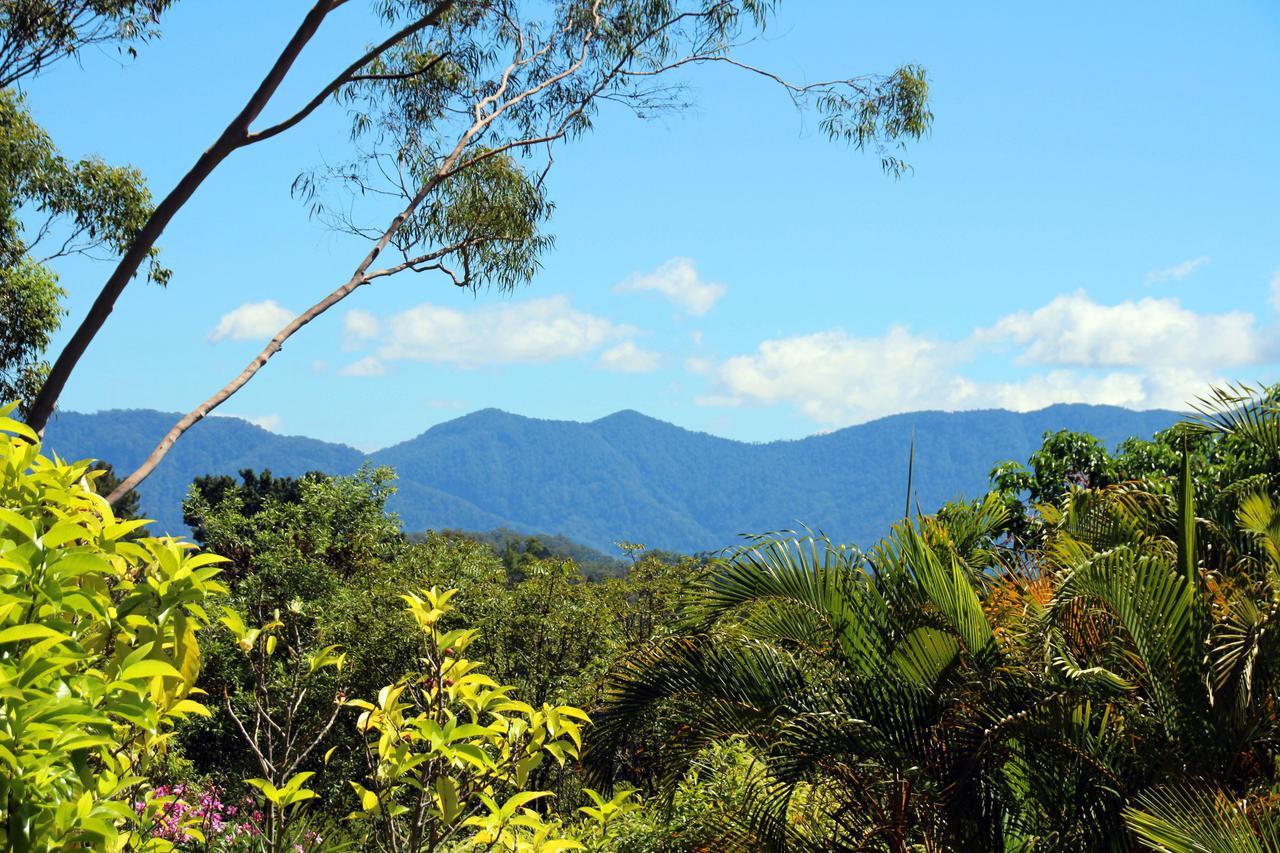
<point>1177,272</point>
<point>358,327</point>
<point>1275,291</point>
<point>1147,354</point>
<point>698,366</point>
<point>370,365</point>
<point>1073,330</point>
<point>536,330</point>
<point>677,280</point>
<point>267,422</point>
<point>252,321</point>
<point>626,357</point>
<point>834,378</point>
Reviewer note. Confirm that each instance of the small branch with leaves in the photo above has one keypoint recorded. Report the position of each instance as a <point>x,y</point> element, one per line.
<point>282,731</point>
<point>446,125</point>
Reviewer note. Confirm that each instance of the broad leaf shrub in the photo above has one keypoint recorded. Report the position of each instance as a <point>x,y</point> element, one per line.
<point>99,651</point>
<point>450,751</point>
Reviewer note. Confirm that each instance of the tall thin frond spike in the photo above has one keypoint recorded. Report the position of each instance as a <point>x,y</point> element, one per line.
<point>1187,523</point>
<point>911,462</point>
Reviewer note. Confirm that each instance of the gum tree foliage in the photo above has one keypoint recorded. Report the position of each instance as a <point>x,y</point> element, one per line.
<point>50,208</point>
<point>37,33</point>
<point>456,115</point>
<point>100,649</point>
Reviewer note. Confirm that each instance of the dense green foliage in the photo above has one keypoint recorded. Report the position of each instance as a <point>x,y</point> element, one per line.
<point>1079,660</point>
<point>319,560</point>
<point>622,477</point>
<point>1097,673</point>
<point>513,547</point>
<point>99,652</point>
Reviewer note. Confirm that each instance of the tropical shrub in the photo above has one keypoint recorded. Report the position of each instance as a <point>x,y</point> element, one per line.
<point>450,752</point>
<point>99,651</point>
<point>1109,681</point>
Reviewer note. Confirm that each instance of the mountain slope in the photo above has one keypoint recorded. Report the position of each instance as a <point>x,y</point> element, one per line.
<point>216,445</point>
<point>626,476</point>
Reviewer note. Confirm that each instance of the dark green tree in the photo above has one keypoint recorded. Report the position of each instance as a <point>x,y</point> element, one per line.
<point>51,207</point>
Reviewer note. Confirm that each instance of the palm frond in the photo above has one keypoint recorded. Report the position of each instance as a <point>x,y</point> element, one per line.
<point>1251,413</point>
<point>1188,820</point>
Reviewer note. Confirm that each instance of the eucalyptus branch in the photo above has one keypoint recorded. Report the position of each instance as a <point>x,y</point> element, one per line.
<point>234,136</point>
<point>351,73</point>
<point>544,91</point>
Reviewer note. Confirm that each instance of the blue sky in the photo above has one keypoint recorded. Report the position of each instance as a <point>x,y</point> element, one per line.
<point>1093,218</point>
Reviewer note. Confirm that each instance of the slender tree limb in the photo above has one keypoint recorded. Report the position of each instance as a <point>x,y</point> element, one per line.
<point>351,72</point>
<point>230,139</point>
<point>236,135</point>
<point>274,346</point>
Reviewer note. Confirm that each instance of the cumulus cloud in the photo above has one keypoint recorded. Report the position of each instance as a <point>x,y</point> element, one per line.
<point>677,281</point>
<point>1177,272</point>
<point>358,327</point>
<point>835,378</point>
<point>626,357</point>
<point>698,365</point>
<point>370,365</point>
<point>536,330</point>
<point>1147,354</point>
<point>1155,389</point>
<point>267,422</point>
<point>1073,330</point>
<point>252,321</point>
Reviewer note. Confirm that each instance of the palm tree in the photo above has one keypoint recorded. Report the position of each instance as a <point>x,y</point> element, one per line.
<point>954,690</point>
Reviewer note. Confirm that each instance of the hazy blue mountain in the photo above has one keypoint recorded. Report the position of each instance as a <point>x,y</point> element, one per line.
<point>124,437</point>
<point>626,476</point>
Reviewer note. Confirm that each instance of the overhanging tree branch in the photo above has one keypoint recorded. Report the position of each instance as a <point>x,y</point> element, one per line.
<point>236,135</point>
<point>468,203</point>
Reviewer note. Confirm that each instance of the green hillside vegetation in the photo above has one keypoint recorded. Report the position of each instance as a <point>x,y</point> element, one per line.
<point>1080,659</point>
<point>515,548</point>
<point>624,477</point>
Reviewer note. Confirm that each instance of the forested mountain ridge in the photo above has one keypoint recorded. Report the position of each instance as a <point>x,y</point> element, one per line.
<point>625,476</point>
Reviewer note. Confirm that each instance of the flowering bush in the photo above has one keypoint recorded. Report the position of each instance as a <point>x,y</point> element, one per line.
<point>182,813</point>
<point>189,817</point>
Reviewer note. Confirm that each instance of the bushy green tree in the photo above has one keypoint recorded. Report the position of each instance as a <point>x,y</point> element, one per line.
<point>100,650</point>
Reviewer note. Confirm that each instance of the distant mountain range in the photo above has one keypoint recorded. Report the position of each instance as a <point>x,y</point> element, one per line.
<point>625,476</point>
